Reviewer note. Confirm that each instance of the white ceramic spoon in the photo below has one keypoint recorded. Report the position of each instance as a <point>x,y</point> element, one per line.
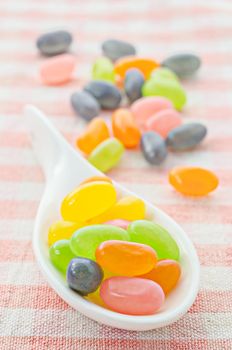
<point>64,169</point>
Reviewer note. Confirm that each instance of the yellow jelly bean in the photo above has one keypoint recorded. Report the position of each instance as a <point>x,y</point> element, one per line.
<point>88,201</point>
<point>127,208</point>
<point>62,230</point>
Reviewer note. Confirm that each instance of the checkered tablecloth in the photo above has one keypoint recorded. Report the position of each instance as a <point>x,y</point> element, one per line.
<point>32,316</point>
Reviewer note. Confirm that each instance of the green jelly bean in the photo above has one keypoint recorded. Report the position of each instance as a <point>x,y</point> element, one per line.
<point>107,154</point>
<point>103,69</point>
<point>61,254</point>
<point>154,235</point>
<point>85,241</point>
<point>165,73</point>
<point>165,87</point>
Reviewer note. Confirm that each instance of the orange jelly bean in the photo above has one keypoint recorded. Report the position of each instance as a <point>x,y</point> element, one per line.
<point>96,178</point>
<point>166,273</point>
<point>124,128</point>
<point>125,258</point>
<point>145,65</point>
<point>96,132</point>
<point>193,181</point>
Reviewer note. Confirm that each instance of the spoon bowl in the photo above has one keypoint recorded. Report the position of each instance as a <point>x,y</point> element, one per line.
<point>64,170</point>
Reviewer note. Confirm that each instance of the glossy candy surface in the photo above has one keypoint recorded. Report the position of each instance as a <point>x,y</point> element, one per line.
<point>88,201</point>
<point>61,230</point>
<point>96,178</point>
<point>103,69</point>
<point>132,295</point>
<point>54,43</point>
<point>115,49</point>
<point>186,136</point>
<point>166,273</point>
<point>85,105</point>
<point>164,73</point>
<point>193,181</point>
<point>163,121</point>
<point>61,255</point>
<point>126,258</point>
<point>107,94</point>
<point>127,208</point>
<point>84,275</point>
<point>156,236</point>
<point>107,154</point>
<point>169,88</point>
<point>133,83</point>
<point>145,65</point>
<point>145,107</point>
<point>96,132</point>
<point>153,147</point>
<point>125,128</point>
<point>57,70</point>
<point>85,241</point>
<point>183,64</point>
<point>119,223</point>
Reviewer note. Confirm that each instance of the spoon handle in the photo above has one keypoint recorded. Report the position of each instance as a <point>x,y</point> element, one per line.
<point>46,140</point>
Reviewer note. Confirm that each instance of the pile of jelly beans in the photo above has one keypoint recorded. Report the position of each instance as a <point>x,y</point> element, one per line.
<point>110,253</point>
<point>146,98</point>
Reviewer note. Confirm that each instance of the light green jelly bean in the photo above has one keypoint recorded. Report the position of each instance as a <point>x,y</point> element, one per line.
<point>107,154</point>
<point>168,88</point>
<point>154,235</point>
<point>85,241</point>
<point>164,73</point>
<point>61,254</point>
<point>103,69</point>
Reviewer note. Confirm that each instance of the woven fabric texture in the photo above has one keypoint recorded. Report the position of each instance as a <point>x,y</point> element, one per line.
<point>32,316</point>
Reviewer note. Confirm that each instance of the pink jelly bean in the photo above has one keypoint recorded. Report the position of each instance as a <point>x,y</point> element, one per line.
<point>132,295</point>
<point>57,70</point>
<point>163,121</point>
<point>145,107</point>
<point>119,223</point>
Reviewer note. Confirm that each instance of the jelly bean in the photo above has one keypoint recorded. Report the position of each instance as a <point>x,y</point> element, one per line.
<point>61,230</point>
<point>166,273</point>
<point>88,201</point>
<point>57,70</point>
<point>127,208</point>
<point>119,223</point>
<point>153,147</point>
<point>124,128</point>
<point>165,73</point>
<point>85,241</point>
<point>186,136</point>
<point>134,81</point>
<point>145,65</point>
<point>84,275</point>
<point>103,69</point>
<point>96,132</point>
<point>183,65</point>
<point>96,178</point>
<point>125,258</point>
<point>54,43</point>
<point>115,49</point>
<point>164,121</point>
<point>132,295</point>
<point>193,181</point>
<point>85,105</point>
<point>145,107</point>
<point>107,94</point>
<point>61,255</point>
<point>156,236</point>
<point>95,298</point>
<point>171,89</point>
<point>107,154</point>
